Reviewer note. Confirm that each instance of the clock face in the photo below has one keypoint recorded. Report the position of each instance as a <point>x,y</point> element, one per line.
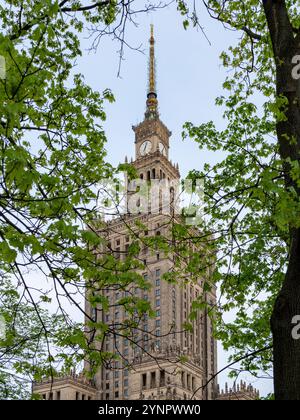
<point>162,149</point>
<point>145,148</point>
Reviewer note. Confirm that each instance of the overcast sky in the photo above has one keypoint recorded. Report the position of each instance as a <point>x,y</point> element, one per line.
<point>189,78</point>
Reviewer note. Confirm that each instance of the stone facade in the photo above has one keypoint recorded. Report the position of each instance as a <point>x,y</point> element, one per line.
<point>146,378</point>
<point>239,392</point>
<point>68,387</point>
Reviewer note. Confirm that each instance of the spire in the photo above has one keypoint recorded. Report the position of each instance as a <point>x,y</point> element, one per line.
<point>152,103</point>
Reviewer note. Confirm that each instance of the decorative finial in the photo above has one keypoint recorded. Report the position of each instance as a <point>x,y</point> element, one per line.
<point>152,103</point>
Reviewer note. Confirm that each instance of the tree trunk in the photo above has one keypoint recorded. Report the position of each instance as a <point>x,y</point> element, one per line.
<point>286,348</point>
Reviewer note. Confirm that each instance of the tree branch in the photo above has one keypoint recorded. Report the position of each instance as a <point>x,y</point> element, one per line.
<point>252,34</point>
<point>255,353</point>
<point>86,8</point>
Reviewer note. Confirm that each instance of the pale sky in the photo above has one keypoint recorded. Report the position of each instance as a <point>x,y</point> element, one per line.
<point>189,78</point>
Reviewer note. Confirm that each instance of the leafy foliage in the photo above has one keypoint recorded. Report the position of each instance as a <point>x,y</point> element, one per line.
<point>52,161</point>
<point>249,209</point>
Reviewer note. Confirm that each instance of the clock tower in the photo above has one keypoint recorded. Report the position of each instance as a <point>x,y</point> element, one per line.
<point>152,137</point>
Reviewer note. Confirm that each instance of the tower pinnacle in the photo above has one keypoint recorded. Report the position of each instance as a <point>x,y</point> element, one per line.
<point>152,103</point>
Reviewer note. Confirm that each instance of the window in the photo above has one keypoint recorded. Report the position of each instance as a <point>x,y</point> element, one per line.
<point>58,395</point>
<point>44,396</point>
<point>51,396</point>
<point>182,379</point>
<point>157,283</point>
<point>157,323</point>
<point>157,333</point>
<point>157,292</point>
<point>157,312</point>
<point>107,396</point>
<point>116,384</point>
<point>144,380</point>
<point>157,302</point>
<point>117,374</point>
<point>94,314</point>
<point>83,397</point>
<point>153,380</point>
<point>125,372</point>
<point>107,385</point>
<point>126,393</point>
<point>162,378</point>
<point>157,257</point>
<point>117,394</point>
<point>125,383</point>
<point>77,395</point>
<point>188,380</point>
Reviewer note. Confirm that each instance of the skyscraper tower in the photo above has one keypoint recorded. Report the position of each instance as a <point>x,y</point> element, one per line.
<point>169,363</point>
